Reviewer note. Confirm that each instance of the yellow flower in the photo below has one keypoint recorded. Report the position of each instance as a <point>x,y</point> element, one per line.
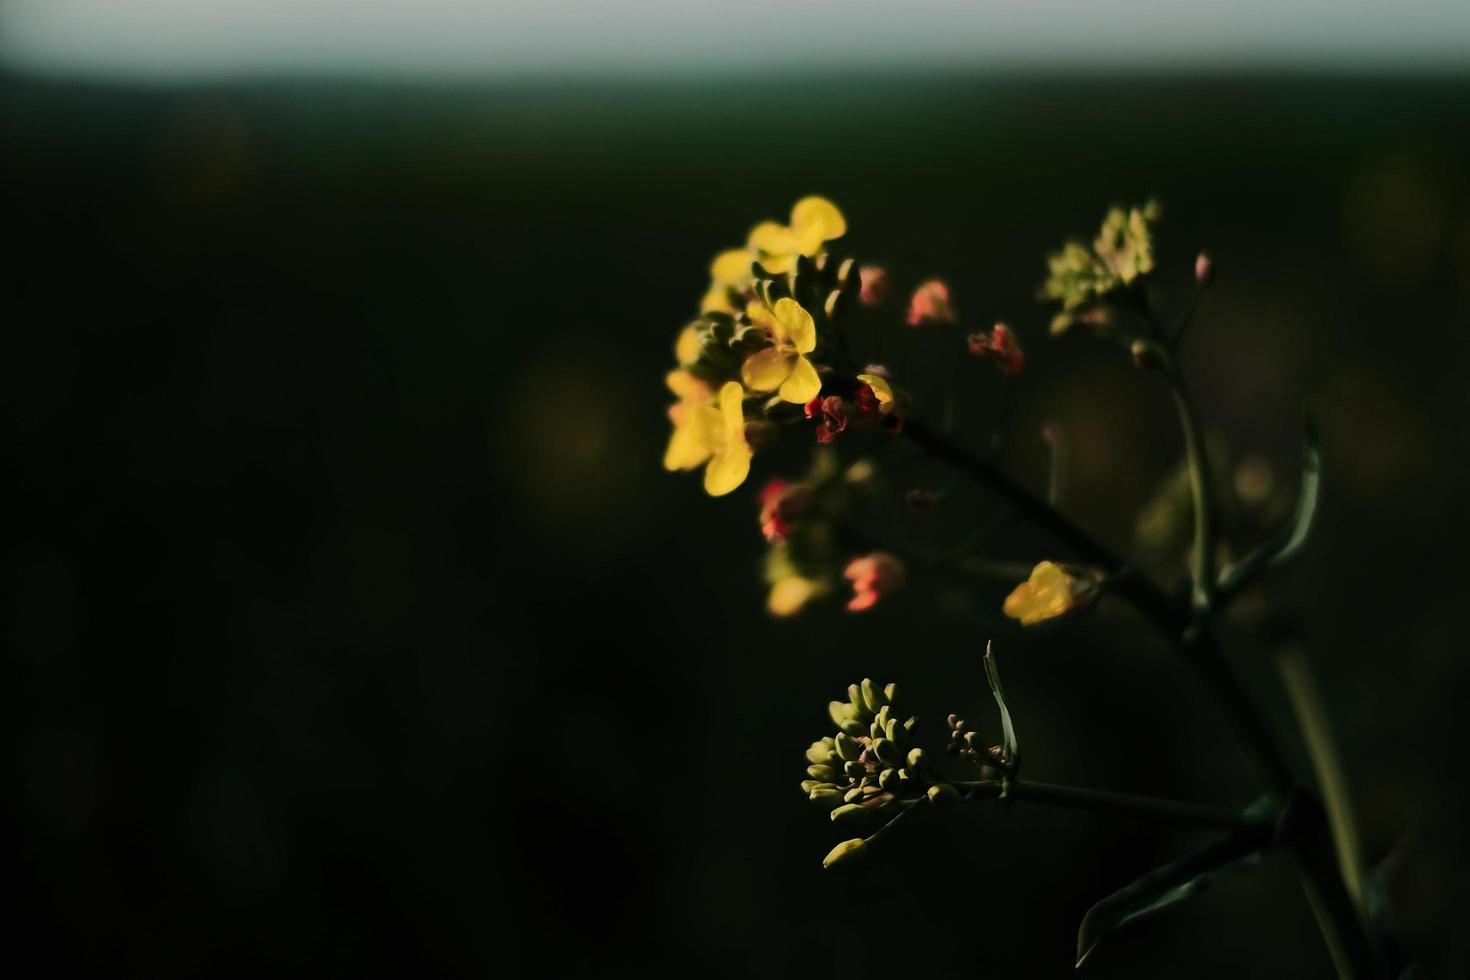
<point>729,272</point>
<point>814,221</point>
<point>1052,590</point>
<point>704,432</point>
<point>788,595</point>
<point>686,348</point>
<point>784,365</point>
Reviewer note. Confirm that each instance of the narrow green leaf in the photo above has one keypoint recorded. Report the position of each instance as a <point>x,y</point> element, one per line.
<point>1287,542</point>
<point>1012,745</point>
<point>1165,887</point>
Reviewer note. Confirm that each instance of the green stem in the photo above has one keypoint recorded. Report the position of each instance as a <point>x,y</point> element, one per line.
<point>1147,807</point>
<point>1311,716</point>
<point>1201,488</point>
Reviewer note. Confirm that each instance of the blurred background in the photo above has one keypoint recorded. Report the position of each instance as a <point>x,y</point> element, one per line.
<point>352,626</point>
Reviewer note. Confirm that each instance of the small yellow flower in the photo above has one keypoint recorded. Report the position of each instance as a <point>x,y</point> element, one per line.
<point>789,595</point>
<point>686,348</point>
<point>704,432</point>
<point>1052,590</point>
<point>729,272</point>
<point>814,221</point>
<point>784,365</point>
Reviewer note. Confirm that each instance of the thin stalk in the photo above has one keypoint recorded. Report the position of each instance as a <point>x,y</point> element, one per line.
<point>1201,488</point>
<point>1146,807</point>
<point>1163,611</point>
<point>1311,716</point>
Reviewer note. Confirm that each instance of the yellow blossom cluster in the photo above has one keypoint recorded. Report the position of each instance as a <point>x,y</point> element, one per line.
<point>750,341</point>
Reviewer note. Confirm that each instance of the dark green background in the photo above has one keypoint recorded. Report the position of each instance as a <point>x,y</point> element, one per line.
<point>352,626</point>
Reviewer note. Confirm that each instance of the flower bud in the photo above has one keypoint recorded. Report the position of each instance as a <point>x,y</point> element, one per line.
<point>1000,344</point>
<point>873,576</point>
<point>888,752</point>
<point>845,853</point>
<point>930,304</point>
<point>847,748</point>
<point>826,795</point>
<point>1204,269</point>
<point>1147,356</point>
<point>943,794</point>
<point>872,696</point>
<point>849,811</point>
<point>874,288</point>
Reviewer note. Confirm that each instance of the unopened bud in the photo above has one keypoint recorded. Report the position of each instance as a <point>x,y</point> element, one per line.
<point>888,752</point>
<point>931,304</point>
<point>943,794</point>
<point>1204,269</point>
<point>874,284</point>
<point>827,795</point>
<point>848,811</point>
<point>1147,356</point>
<point>845,853</point>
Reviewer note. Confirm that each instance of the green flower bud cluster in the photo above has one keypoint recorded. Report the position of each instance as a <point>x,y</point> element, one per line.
<point>870,762</point>
<point>1079,277</point>
<point>725,341</point>
<point>972,747</point>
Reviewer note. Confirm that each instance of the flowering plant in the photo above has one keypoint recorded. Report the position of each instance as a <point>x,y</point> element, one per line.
<point>779,350</point>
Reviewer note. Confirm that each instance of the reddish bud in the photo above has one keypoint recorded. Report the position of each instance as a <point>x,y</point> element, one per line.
<point>931,304</point>
<point>831,417</point>
<point>781,504</point>
<point>872,577</point>
<point>1001,344</point>
<point>1204,269</point>
<point>874,290</point>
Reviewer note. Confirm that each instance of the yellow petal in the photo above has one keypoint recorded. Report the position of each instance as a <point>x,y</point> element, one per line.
<point>688,387</point>
<point>765,370</point>
<point>773,238</point>
<point>881,389</point>
<point>717,300</point>
<point>690,444</point>
<point>789,595</point>
<point>795,325</point>
<point>725,472</point>
<point>731,267</point>
<point>732,412</point>
<point>779,264</point>
<point>817,216</point>
<point>761,316</point>
<point>731,462</point>
<point>686,348</point>
<point>803,385</point>
<point>1048,593</point>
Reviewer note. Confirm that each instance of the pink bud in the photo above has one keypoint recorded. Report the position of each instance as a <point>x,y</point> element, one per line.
<point>931,304</point>
<point>1204,269</point>
<point>873,576</point>
<point>874,279</point>
<point>1001,344</point>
